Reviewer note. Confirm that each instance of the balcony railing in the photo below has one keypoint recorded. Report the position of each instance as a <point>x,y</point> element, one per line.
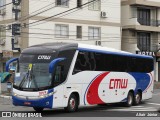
<point>151,48</point>
<point>148,22</point>
<point>144,47</point>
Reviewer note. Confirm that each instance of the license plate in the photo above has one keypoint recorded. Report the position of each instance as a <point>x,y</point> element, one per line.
<point>27,103</point>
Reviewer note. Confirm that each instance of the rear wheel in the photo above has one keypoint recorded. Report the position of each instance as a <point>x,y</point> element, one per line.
<point>38,109</point>
<point>72,104</point>
<point>129,101</point>
<point>137,98</point>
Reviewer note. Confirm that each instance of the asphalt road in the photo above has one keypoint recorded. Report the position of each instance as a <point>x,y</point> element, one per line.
<point>149,107</point>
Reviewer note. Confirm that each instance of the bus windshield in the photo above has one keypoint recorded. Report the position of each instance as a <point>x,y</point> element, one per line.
<point>33,76</point>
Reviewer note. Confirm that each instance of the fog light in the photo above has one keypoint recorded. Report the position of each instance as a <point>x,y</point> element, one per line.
<point>41,96</point>
<point>14,94</point>
<point>47,103</point>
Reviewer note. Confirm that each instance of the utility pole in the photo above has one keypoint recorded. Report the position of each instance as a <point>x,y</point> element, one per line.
<point>16,27</point>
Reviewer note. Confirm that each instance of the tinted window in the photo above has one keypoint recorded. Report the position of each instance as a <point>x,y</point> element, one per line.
<point>91,61</point>
<point>62,67</point>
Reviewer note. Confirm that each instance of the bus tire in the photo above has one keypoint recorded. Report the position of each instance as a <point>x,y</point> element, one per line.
<point>137,98</point>
<point>38,109</point>
<point>129,101</point>
<point>72,104</point>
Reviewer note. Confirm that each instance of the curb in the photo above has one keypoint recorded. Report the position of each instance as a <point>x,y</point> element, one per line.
<point>157,85</point>
<point>7,97</point>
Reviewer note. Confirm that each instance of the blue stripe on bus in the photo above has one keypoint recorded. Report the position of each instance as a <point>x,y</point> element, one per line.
<point>114,53</point>
<point>42,102</point>
<point>142,80</point>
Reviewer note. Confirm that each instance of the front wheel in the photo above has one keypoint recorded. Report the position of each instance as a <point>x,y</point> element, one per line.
<point>129,101</point>
<point>38,109</point>
<point>72,104</point>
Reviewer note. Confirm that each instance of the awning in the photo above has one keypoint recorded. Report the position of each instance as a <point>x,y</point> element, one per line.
<point>4,76</point>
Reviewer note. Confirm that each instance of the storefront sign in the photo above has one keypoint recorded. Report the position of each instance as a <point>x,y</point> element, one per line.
<point>7,54</point>
<point>146,53</point>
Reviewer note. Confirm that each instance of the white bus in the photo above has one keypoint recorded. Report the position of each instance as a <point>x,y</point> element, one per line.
<point>70,75</point>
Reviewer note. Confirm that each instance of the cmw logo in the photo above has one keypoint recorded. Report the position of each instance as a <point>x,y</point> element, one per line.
<point>44,57</point>
<point>118,83</point>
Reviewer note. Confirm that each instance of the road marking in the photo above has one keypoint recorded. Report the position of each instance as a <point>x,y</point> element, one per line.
<point>153,103</point>
<point>133,108</point>
<point>156,94</point>
<point>137,106</point>
<point>143,108</point>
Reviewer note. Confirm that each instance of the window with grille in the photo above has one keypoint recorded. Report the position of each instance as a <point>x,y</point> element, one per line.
<point>143,41</point>
<point>94,33</point>
<point>79,3</point>
<point>62,2</point>
<point>2,32</point>
<point>61,30</point>
<point>79,31</point>
<point>2,3</point>
<point>95,5</point>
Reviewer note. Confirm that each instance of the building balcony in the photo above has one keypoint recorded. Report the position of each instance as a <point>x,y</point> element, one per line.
<point>141,3</point>
<point>149,48</point>
<point>149,22</point>
<point>142,25</point>
<point>154,47</point>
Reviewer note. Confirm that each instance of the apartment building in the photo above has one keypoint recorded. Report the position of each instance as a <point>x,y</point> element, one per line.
<point>140,21</point>
<point>85,21</point>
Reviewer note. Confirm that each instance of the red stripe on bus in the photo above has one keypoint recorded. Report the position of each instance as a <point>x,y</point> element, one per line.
<point>92,93</point>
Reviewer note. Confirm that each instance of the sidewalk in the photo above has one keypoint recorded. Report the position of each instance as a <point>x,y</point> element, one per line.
<point>6,95</point>
<point>156,85</point>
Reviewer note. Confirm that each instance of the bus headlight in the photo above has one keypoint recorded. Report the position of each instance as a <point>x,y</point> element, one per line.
<point>50,93</point>
<point>14,94</point>
<point>47,95</point>
<point>43,96</point>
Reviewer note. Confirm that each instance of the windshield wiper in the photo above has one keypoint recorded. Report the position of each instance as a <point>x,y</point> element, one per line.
<point>32,77</point>
<point>22,82</point>
<point>28,78</point>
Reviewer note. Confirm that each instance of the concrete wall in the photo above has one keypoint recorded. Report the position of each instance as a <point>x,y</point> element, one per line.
<point>5,20</point>
<point>110,26</point>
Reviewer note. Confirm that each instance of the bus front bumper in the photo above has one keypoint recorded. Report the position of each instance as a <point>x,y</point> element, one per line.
<point>46,102</point>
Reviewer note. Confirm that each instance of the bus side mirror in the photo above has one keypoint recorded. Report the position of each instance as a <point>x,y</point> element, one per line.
<point>53,63</point>
<point>9,62</point>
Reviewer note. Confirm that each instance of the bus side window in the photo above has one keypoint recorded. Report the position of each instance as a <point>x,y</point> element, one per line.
<point>82,63</point>
<point>92,61</point>
<point>58,76</point>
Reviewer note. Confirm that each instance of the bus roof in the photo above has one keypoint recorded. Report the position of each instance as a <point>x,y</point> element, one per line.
<point>107,50</point>
<point>47,48</point>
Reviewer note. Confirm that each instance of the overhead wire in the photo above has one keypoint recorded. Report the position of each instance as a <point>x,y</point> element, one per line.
<point>5,4</point>
<point>47,18</point>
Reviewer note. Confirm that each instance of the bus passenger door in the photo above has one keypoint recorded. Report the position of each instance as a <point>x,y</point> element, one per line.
<point>58,79</point>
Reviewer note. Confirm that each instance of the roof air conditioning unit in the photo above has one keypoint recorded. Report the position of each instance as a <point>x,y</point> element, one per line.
<point>98,43</point>
<point>2,41</point>
<point>2,12</point>
<point>103,14</point>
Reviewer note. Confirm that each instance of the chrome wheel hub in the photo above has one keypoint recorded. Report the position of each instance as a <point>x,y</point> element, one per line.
<point>137,98</point>
<point>129,100</point>
<point>72,103</point>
